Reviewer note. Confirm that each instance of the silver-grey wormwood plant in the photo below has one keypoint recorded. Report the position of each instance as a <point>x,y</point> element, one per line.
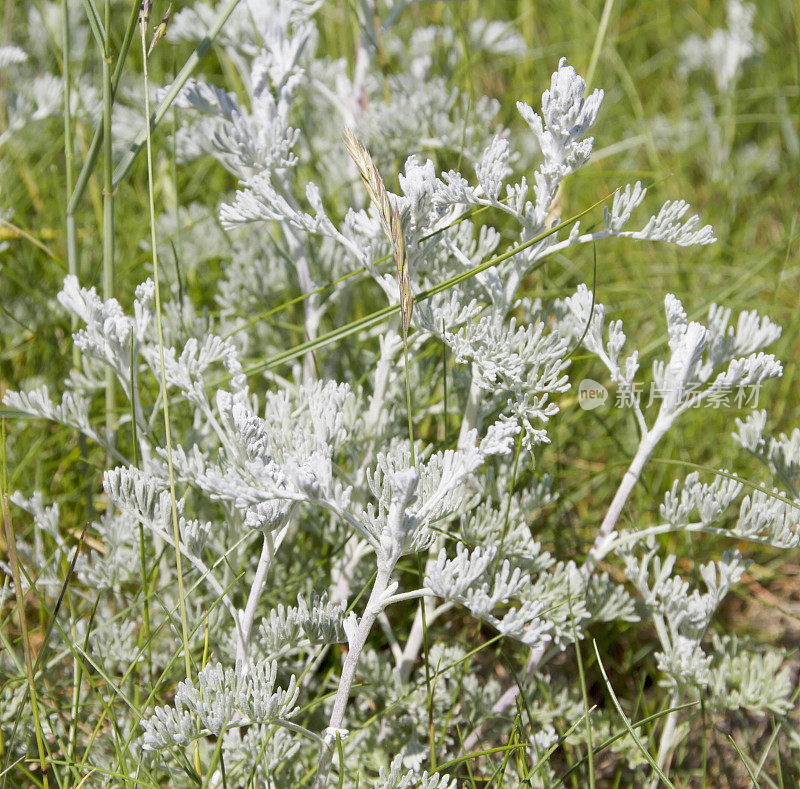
<point>327,563</point>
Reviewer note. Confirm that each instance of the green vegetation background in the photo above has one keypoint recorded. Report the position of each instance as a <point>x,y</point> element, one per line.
<point>651,128</point>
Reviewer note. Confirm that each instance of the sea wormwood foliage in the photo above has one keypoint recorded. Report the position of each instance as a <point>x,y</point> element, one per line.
<point>314,477</point>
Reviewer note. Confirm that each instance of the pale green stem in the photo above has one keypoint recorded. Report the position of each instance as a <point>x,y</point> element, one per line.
<point>667,740</point>
<point>355,647</point>
<point>69,158</point>
<point>471,411</point>
<point>310,302</point>
<point>108,212</point>
<point>377,403</point>
<point>72,239</point>
<point>598,41</point>
<point>165,400</point>
<point>152,121</point>
<point>97,139</point>
<point>645,451</point>
<point>246,617</point>
<point>23,626</point>
<point>408,402</point>
<point>424,614</point>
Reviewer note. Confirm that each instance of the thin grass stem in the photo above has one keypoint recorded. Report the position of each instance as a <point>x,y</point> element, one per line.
<point>108,212</point>
<point>163,382</point>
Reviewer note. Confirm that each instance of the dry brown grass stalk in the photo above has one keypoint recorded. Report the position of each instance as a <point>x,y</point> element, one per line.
<point>390,220</point>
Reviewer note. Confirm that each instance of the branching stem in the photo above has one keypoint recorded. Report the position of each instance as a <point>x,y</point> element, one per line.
<point>355,647</point>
